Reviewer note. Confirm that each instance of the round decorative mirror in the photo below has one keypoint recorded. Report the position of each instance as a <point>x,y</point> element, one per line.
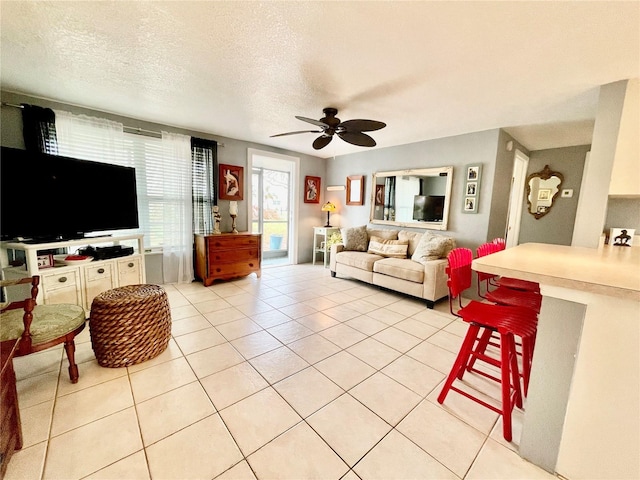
<point>542,189</point>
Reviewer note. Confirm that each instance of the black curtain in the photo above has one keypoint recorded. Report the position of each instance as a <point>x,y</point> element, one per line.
<point>39,129</point>
<point>204,161</point>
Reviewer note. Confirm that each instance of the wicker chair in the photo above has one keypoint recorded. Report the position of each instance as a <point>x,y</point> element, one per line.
<point>41,326</point>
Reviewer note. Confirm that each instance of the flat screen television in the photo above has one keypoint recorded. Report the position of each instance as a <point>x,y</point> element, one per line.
<point>49,197</point>
<point>428,208</point>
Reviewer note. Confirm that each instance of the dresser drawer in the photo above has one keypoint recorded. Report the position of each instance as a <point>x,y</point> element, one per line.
<point>218,257</point>
<point>232,242</point>
<point>98,272</point>
<point>65,279</point>
<point>234,269</point>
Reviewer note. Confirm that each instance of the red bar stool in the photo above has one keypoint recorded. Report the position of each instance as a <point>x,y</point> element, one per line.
<point>508,322</point>
<point>514,283</point>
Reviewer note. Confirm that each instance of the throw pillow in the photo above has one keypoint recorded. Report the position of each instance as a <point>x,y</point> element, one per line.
<point>432,247</point>
<point>355,238</point>
<point>385,233</point>
<point>412,237</point>
<point>388,248</point>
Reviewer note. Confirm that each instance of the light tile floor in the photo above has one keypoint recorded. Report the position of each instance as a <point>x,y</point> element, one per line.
<point>295,375</point>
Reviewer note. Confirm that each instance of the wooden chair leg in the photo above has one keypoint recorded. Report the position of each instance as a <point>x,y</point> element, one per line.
<point>70,348</point>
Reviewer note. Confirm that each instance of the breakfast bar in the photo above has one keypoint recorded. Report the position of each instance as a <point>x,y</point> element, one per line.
<point>582,414</point>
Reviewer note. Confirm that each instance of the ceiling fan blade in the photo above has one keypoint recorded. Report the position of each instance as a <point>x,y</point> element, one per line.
<point>321,142</point>
<point>295,133</point>
<point>357,138</point>
<point>362,125</point>
<point>312,121</point>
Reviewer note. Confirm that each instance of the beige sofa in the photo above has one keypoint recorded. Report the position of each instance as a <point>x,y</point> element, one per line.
<point>421,276</point>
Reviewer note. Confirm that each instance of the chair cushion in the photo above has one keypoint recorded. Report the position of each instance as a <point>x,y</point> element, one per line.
<point>388,248</point>
<point>361,260</point>
<point>403,269</point>
<point>49,322</point>
<point>355,238</point>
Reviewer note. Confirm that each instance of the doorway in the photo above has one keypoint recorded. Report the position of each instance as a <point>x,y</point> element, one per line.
<point>518,178</point>
<point>272,210</point>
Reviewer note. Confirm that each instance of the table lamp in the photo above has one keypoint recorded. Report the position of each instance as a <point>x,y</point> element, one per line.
<point>328,207</point>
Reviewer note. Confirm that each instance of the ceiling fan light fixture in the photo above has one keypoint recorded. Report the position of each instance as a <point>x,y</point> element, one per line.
<point>350,131</point>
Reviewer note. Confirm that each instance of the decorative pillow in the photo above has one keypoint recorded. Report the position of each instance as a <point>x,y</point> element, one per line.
<point>432,247</point>
<point>412,237</point>
<point>388,248</point>
<point>384,233</point>
<point>355,238</point>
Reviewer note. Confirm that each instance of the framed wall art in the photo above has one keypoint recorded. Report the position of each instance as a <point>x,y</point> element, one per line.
<point>231,182</point>
<point>312,189</point>
<point>355,190</point>
<point>471,188</point>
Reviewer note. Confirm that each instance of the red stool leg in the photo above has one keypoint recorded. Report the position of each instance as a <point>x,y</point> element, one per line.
<point>461,360</point>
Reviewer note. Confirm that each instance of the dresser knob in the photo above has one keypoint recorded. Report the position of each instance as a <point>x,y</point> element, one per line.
<point>101,270</point>
<point>218,270</point>
<point>130,264</point>
<point>62,279</point>
<point>251,264</point>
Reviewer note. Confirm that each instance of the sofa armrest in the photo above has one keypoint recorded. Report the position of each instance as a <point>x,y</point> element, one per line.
<point>335,249</point>
<point>435,279</point>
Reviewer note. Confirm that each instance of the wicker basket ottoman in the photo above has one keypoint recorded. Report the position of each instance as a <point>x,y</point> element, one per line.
<point>129,325</point>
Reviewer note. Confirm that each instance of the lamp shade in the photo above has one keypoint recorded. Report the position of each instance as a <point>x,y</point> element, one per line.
<point>328,207</point>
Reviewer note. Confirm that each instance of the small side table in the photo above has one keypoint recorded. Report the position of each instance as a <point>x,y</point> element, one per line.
<point>322,234</point>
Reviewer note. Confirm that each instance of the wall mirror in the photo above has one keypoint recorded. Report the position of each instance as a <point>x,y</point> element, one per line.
<point>542,189</point>
<point>412,198</point>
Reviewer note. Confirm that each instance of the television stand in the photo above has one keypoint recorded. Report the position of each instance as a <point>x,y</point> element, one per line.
<point>77,283</point>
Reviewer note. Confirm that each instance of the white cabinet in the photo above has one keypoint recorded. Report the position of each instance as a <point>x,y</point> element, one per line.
<point>79,283</point>
<point>320,237</point>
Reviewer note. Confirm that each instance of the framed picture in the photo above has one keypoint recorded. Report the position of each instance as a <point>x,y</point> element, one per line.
<point>621,237</point>
<point>355,190</point>
<point>379,200</point>
<point>473,173</point>
<point>312,189</point>
<point>231,182</point>
<point>45,260</point>
<point>470,205</point>
<point>472,188</point>
<point>544,194</point>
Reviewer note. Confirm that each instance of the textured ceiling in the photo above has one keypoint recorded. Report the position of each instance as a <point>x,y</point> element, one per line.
<point>244,69</point>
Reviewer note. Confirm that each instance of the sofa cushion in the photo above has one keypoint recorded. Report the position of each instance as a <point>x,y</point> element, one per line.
<point>388,248</point>
<point>361,260</point>
<point>432,247</point>
<point>412,237</point>
<point>384,233</point>
<point>355,238</point>
<point>400,268</point>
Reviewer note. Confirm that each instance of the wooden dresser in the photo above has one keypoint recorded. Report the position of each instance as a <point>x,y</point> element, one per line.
<point>11,432</point>
<point>228,255</point>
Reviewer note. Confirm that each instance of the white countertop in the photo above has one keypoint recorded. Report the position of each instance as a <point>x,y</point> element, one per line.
<point>612,271</point>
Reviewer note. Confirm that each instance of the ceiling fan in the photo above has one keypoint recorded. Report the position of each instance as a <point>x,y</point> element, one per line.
<point>349,131</point>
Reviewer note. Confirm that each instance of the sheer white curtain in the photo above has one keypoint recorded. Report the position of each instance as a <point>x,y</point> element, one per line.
<point>90,138</point>
<point>177,245</point>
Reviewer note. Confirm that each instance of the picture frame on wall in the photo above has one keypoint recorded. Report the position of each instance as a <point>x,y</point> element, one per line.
<point>355,190</point>
<point>472,177</point>
<point>470,204</point>
<point>472,188</point>
<point>312,189</point>
<point>230,182</point>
